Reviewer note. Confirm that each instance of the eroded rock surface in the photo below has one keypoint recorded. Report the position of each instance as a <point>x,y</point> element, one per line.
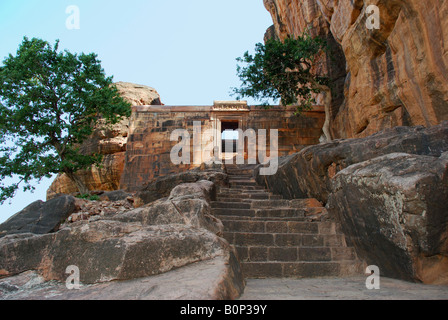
<point>308,174</point>
<point>111,143</point>
<point>187,204</point>
<point>389,193</point>
<point>394,76</point>
<point>40,217</point>
<point>126,246</point>
<point>161,187</point>
<point>394,208</point>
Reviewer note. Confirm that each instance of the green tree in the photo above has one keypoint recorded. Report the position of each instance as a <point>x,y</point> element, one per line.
<point>50,102</point>
<point>284,70</point>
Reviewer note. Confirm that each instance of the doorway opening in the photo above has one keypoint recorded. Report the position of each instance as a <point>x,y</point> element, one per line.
<point>229,137</point>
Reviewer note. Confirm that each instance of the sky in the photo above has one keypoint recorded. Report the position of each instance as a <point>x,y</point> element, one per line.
<point>186,50</point>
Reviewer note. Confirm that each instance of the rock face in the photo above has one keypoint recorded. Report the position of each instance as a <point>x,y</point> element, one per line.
<point>309,173</point>
<point>161,187</point>
<point>40,217</point>
<point>219,280</point>
<point>108,250</point>
<point>111,143</point>
<point>394,76</point>
<point>389,193</point>
<point>394,209</point>
<point>187,204</point>
<point>129,246</point>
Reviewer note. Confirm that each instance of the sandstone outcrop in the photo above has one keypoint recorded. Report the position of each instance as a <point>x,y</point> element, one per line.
<point>389,192</point>
<point>219,279</point>
<point>187,204</point>
<point>394,209</point>
<point>111,143</point>
<point>161,187</point>
<point>394,76</point>
<point>108,250</point>
<point>40,217</point>
<point>309,173</point>
<point>128,246</point>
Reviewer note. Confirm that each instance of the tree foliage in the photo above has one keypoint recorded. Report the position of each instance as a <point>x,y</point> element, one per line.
<point>50,102</point>
<point>282,70</point>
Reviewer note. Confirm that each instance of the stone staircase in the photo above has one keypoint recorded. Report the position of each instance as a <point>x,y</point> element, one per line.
<point>277,238</point>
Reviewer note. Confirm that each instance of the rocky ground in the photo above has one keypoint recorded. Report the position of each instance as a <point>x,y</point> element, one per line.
<point>352,288</point>
<point>119,250</point>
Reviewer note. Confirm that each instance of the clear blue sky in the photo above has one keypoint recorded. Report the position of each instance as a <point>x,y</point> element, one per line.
<point>186,50</point>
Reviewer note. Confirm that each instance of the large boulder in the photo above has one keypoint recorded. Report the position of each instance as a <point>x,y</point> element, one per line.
<point>106,251</point>
<point>309,173</point>
<point>130,247</point>
<point>187,204</point>
<point>40,217</point>
<point>394,209</point>
<point>161,187</point>
<point>220,279</point>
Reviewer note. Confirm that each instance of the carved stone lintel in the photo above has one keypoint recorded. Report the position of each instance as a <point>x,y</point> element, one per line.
<point>230,106</point>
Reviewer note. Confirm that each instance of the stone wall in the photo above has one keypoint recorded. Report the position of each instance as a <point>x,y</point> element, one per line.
<point>149,145</point>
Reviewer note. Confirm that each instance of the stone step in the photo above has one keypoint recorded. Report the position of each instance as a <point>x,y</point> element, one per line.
<point>261,270</point>
<point>256,204</point>
<point>246,218</point>
<point>225,191</point>
<point>284,239</point>
<point>243,188</point>
<point>231,205</point>
<point>247,197</point>
<point>265,213</point>
<point>275,226</point>
<point>231,192</point>
<point>240,183</point>
<point>261,204</point>
<point>294,254</point>
<point>237,171</point>
<point>249,177</point>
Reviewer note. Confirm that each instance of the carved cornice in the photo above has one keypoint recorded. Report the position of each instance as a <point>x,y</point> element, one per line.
<point>230,106</point>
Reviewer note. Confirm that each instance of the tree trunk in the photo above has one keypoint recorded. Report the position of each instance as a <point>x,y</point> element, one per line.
<point>82,188</point>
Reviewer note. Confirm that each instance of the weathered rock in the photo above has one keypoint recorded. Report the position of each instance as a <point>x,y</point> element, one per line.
<point>138,95</point>
<point>308,174</point>
<point>161,187</point>
<point>120,252</point>
<point>40,217</point>
<point>110,142</point>
<point>118,195</point>
<point>187,204</point>
<point>87,210</point>
<point>220,279</point>
<point>108,250</point>
<point>376,89</point>
<point>106,177</point>
<point>395,211</point>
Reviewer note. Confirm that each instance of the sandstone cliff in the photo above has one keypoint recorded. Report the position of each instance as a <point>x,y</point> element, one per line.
<point>111,143</point>
<point>393,76</point>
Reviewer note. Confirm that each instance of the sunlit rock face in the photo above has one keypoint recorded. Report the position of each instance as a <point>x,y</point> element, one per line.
<point>396,75</point>
<point>111,143</point>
